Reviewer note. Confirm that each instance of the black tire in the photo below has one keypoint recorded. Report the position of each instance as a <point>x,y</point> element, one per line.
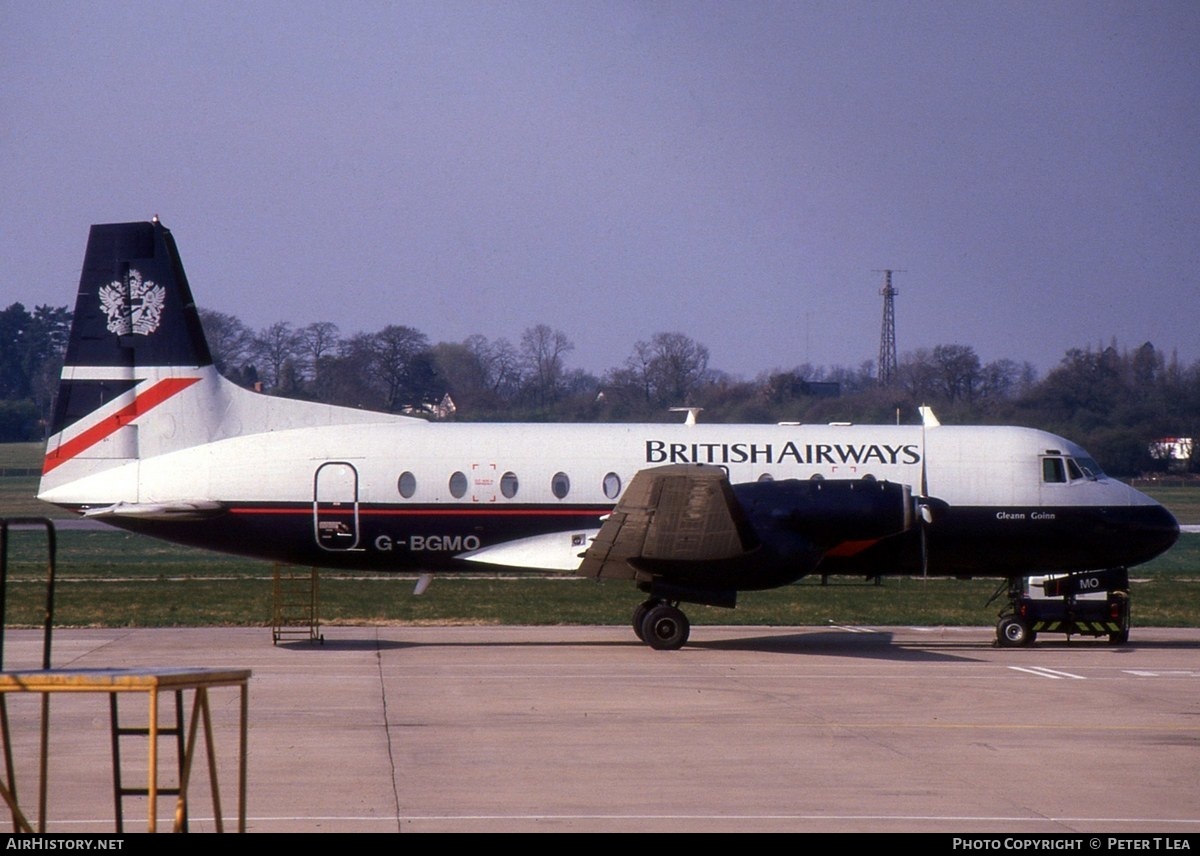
<point>1013,632</point>
<point>665,628</point>
<point>639,616</point>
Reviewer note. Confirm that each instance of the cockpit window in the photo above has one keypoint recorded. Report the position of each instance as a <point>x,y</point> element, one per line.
<point>1053,471</point>
<point>1061,470</point>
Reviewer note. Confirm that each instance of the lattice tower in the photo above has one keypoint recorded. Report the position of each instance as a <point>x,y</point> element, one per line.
<point>887,335</point>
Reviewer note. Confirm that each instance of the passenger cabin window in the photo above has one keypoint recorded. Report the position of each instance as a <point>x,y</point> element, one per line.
<point>509,485</point>
<point>407,484</point>
<point>1053,471</point>
<point>458,485</point>
<point>560,485</point>
<point>612,485</point>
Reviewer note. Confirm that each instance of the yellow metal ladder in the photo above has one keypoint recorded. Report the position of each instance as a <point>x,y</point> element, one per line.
<point>297,601</point>
<point>120,792</point>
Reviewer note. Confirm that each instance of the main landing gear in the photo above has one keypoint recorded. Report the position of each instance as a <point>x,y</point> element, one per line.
<point>661,625</point>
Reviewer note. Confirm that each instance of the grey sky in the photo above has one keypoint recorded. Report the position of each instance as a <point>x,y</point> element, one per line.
<point>735,171</point>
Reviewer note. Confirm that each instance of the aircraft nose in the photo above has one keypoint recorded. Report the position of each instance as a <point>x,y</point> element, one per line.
<point>1150,530</point>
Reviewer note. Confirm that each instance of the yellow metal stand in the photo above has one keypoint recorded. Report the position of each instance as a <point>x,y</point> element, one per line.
<point>178,681</point>
<point>297,604</point>
<point>152,682</point>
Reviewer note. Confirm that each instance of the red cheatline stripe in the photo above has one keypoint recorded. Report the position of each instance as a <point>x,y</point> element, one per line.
<point>140,405</point>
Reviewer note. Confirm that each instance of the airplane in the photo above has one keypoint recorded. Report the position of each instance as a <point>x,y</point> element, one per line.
<point>149,437</point>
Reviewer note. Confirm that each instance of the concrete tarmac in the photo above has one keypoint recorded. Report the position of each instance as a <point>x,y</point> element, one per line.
<point>584,729</point>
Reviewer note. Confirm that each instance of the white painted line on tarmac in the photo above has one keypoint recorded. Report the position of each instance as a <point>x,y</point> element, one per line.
<point>1047,673</point>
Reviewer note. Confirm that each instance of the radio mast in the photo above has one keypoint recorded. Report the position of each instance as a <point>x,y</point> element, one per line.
<point>887,335</point>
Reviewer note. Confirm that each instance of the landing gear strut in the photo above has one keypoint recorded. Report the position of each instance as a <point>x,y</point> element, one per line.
<point>661,625</point>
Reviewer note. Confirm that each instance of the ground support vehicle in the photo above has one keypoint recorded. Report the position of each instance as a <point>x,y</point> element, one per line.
<point>1087,603</point>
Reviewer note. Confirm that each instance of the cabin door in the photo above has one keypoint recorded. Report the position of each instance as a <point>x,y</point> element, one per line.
<point>335,506</point>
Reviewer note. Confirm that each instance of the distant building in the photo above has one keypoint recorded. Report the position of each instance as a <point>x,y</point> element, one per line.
<point>1176,451</point>
<point>443,409</point>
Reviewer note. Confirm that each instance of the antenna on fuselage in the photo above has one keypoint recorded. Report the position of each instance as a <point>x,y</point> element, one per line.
<point>690,411</point>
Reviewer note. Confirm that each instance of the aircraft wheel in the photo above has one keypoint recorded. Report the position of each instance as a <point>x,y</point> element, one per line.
<point>1012,632</point>
<point>665,628</point>
<point>639,616</point>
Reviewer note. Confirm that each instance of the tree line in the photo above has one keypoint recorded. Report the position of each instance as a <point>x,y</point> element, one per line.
<point>1115,402</point>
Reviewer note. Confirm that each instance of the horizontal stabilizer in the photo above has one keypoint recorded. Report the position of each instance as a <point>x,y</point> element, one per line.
<point>158,510</point>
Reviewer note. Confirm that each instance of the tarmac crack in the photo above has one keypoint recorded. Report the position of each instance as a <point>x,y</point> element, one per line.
<point>387,733</point>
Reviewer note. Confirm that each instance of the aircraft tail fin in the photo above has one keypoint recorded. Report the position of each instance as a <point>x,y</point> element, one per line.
<point>134,304</point>
<point>134,310</point>
<point>136,342</point>
<point>139,381</point>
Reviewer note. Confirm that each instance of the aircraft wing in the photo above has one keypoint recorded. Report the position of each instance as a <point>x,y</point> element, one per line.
<point>682,531</point>
<point>674,513</point>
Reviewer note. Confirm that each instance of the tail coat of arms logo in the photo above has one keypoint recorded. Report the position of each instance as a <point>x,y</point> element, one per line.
<point>137,310</point>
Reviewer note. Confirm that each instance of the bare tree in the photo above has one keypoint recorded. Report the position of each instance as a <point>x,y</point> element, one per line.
<point>542,354</point>
<point>402,365</point>
<point>230,342</point>
<point>1005,379</point>
<point>678,366</point>
<point>280,352</point>
<point>957,371</point>
<point>499,362</point>
<point>319,341</point>
<point>635,378</point>
<point>668,370</point>
<point>348,377</point>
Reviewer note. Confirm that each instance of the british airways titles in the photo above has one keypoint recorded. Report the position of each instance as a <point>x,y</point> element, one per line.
<point>663,452</point>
